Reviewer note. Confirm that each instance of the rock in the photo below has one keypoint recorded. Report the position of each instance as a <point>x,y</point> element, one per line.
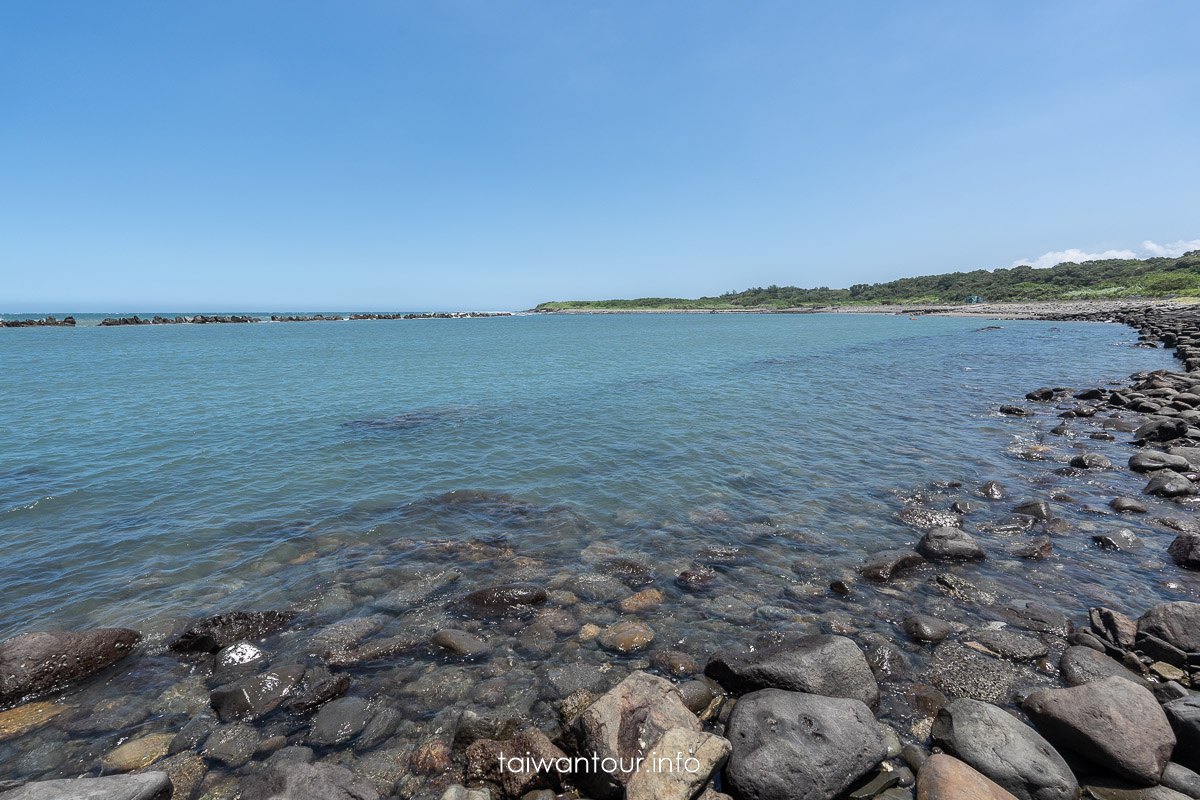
<point>295,780</point>
<point>950,544</point>
<point>1016,411</point>
<point>254,697</point>
<point>1154,460</point>
<point>32,663</point>
<point>1123,539</point>
<point>1169,484</point>
<point>20,720</point>
<point>963,672</point>
<point>1040,395</point>
<point>1004,749</point>
<point>146,786</point>
<point>1038,509</point>
<point>629,636</point>
<point>1010,644</point>
<point>185,771</point>
<point>803,746</point>
<point>1080,665</point>
<point>319,691</point>
<point>883,565</point>
<point>1161,430</point>
<point>499,601</point>
<point>460,643</point>
<point>922,628</point>
<point>598,588</point>
<point>1112,722</point>
<point>339,721</point>
<point>675,663</point>
<point>416,590</point>
<point>231,745</point>
<point>1181,779</point>
<point>695,580</point>
<point>238,654</point>
<point>826,665</point>
<point>1091,461</point>
<point>1037,549</point>
<point>696,694</point>
<point>928,518</point>
<point>211,634</point>
<point>633,574</point>
<point>1113,627</point>
<point>1126,505</point>
<point>460,792</point>
<point>194,732</point>
<point>992,491</point>
<point>1033,616</point>
<point>642,601</point>
<point>623,724</point>
<point>1176,623</point>
<point>685,762</point>
<point>1185,550</point>
<point>944,777</point>
<point>566,679</point>
<point>529,763</point>
<point>138,753</point>
<point>1184,716</point>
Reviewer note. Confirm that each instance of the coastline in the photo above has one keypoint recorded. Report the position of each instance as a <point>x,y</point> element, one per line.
<point>968,661</point>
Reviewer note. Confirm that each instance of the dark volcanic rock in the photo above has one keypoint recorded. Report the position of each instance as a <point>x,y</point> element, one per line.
<point>950,544</point>
<point>1038,548</point>
<point>1161,430</point>
<point>1113,722</point>
<point>1123,505</point>
<point>1004,749</point>
<point>1176,623</point>
<point>883,565</point>
<point>1185,550</point>
<point>992,491</point>
<point>1038,509</point>
<point>826,665</point>
<point>1016,411</point>
<point>146,786</point>
<point>1090,461</point>
<point>210,635</point>
<point>1169,484</point>
<point>1123,539</point>
<point>1155,460</point>
<point>498,601</point>
<point>37,662</point>
<point>1080,665</point>
<point>255,696</point>
<point>295,780</point>
<point>339,721</point>
<point>802,746</point>
<point>923,628</point>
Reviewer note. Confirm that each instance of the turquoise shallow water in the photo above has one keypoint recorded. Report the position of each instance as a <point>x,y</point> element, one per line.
<point>139,461</point>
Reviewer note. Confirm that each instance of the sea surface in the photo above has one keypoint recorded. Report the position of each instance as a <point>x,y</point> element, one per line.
<point>152,474</point>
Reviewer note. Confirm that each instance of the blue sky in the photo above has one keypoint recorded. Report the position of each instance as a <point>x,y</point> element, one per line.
<point>382,154</point>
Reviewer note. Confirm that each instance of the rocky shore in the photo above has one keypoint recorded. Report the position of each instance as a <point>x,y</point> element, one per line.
<point>45,322</point>
<point>199,319</point>
<point>432,662</point>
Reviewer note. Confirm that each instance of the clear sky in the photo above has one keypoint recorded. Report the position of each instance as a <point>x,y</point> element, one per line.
<point>394,154</point>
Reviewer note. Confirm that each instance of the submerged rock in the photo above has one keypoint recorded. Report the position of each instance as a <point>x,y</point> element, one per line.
<point>924,628</point>
<point>950,544</point>
<point>295,780</point>
<point>257,695</point>
<point>883,565</point>
<point>146,786</point>
<point>826,665</point>
<point>1185,550</point>
<point>37,662</point>
<point>212,634</point>
<point>499,601</point>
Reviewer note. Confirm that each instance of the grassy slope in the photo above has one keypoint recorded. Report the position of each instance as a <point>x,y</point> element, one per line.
<point>1114,278</point>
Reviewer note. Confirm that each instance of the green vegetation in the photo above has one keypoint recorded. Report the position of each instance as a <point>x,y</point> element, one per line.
<point>1113,278</point>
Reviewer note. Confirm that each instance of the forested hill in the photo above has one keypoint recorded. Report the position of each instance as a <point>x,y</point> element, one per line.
<point>1152,277</point>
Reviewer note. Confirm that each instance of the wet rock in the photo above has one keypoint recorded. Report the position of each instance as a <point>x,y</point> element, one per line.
<point>1184,716</point>
<point>944,777</point>
<point>697,579</point>
<point>211,634</point>
<point>499,601</point>
<point>138,753</point>
<point>1033,616</point>
<point>1185,550</point>
<point>675,663</point>
<point>531,747</point>
<point>231,745</point>
<point>1176,623</point>
<point>697,694</point>
<point>623,724</point>
<point>950,544</point>
<point>374,650</point>
<point>633,574</point>
<point>1126,505</point>
<point>194,732</point>
<point>1112,722</point>
<point>923,628</point>
<point>1010,644</point>
<point>1091,461</point>
<point>460,792</point>
<point>826,665</point>
<point>296,780</point>
<point>254,697</point>
<point>629,636</point>
<point>339,721</point>
<point>319,688</point>
<point>1169,484</point>
<point>1004,749</point>
<point>962,672</point>
<point>1161,430</point>
<point>32,663</point>
<point>1181,779</point>
<point>146,786</point>
<point>701,756</point>
<point>238,654</point>
<point>804,746</point>
<point>185,771</point>
<point>460,643</point>
<point>1016,411</point>
<point>644,600</point>
<point>1038,509</point>
<point>1155,460</point>
<point>570,678</point>
<point>1113,627</point>
<point>28,717</point>
<point>1036,549</point>
<point>992,491</point>
<point>1080,665</point>
<point>1040,395</point>
<point>928,518</point>
<point>1123,539</point>
<point>598,588</point>
<point>416,591</point>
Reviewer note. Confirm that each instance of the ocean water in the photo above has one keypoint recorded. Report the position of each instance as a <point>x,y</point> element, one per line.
<point>152,474</point>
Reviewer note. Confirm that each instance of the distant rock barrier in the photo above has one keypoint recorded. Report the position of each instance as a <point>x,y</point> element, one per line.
<point>45,322</point>
<point>313,318</point>
<point>199,319</point>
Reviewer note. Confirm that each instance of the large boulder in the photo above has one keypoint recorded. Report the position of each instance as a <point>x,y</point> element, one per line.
<point>1170,484</point>
<point>950,544</point>
<point>796,746</point>
<point>827,665</point>
<point>1112,722</point>
<point>1184,715</point>
<point>1176,623</point>
<point>1185,550</point>
<point>944,777</point>
<point>1004,749</point>
<point>38,662</point>
<point>622,725</point>
<point>295,780</point>
<point>1080,665</point>
<point>146,786</point>
<point>684,763</point>
<point>211,634</point>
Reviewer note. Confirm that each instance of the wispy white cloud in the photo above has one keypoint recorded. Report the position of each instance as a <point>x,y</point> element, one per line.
<point>1171,249</point>
<point>1047,260</point>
